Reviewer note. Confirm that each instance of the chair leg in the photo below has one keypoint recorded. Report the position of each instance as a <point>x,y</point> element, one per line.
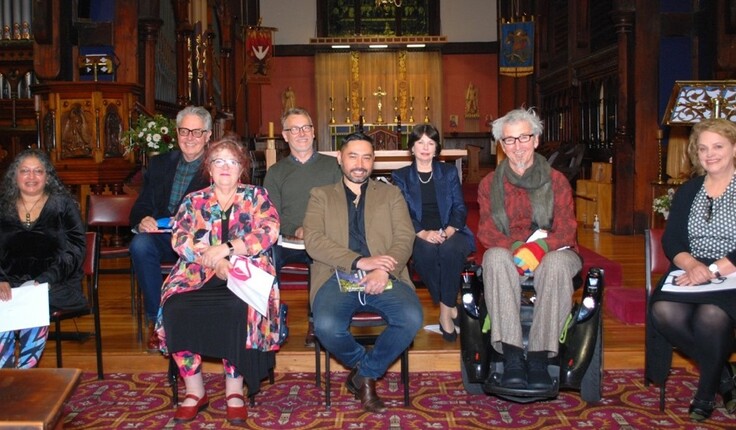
<point>661,398</point>
<point>327,378</point>
<point>57,335</point>
<point>174,381</point>
<point>317,364</point>
<point>405,375</point>
<point>140,314</point>
<point>98,344</point>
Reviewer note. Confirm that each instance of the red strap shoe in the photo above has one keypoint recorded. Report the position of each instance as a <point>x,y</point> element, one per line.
<point>188,413</point>
<point>236,414</point>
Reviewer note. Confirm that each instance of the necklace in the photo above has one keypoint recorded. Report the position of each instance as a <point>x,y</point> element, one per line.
<point>428,179</point>
<point>224,207</point>
<point>27,223</point>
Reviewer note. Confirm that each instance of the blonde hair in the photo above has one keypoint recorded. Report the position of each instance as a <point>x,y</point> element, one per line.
<point>719,126</point>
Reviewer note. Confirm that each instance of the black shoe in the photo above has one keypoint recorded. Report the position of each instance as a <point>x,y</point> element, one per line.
<point>450,336</point>
<point>538,377</point>
<point>514,367</point>
<point>727,388</point>
<point>700,410</point>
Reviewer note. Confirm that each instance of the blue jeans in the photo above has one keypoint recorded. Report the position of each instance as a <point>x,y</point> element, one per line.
<point>283,256</point>
<point>333,311</point>
<point>148,251</point>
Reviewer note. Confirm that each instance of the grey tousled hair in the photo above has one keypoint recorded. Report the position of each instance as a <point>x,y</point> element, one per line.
<point>201,112</point>
<point>515,116</point>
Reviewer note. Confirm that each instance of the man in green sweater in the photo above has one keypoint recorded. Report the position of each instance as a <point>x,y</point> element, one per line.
<point>289,181</point>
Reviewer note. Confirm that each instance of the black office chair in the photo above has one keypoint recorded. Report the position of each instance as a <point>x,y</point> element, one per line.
<point>91,271</point>
<point>360,320</point>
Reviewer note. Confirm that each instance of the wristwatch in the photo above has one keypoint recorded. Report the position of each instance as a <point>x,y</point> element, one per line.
<point>714,269</point>
<point>230,248</point>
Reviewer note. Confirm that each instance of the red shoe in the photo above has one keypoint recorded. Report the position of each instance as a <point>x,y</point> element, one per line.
<point>236,414</point>
<point>188,413</point>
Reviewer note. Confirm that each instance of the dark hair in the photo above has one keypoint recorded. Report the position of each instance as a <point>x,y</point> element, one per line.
<point>356,136</point>
<point>232,143</point>
<point>425,129</point>
<point>10,191</point>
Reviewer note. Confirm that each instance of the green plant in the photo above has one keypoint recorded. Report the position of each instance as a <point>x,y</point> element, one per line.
<point>151,134</point>
<point>663,203</point>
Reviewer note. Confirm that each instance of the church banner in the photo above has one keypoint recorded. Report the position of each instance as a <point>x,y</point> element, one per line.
<point>517,49</point>
<point>259,52</point>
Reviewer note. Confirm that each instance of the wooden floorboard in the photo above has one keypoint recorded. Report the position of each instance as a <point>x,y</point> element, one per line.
<point>623,344</point>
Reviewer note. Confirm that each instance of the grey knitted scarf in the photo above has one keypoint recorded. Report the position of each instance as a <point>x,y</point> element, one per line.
<point>537,181</point>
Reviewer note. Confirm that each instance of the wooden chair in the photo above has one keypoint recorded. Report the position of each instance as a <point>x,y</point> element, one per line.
<point>655,262</point>
<point>92,273</point>
<point>110,213</point>
<point>360,320</point>
<point>385,139</point>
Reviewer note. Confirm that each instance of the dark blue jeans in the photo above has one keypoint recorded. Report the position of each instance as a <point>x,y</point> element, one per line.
<point>148,251</point>
<point>333,311</point>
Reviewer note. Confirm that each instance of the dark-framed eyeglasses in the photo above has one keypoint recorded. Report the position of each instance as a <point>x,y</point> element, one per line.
<point>522,138</point>
<point>709,209</point>
<point>296,129</point>
<point>184,132</point>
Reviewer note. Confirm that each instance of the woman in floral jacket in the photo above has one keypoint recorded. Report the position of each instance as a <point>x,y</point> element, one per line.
<point>199,315</point>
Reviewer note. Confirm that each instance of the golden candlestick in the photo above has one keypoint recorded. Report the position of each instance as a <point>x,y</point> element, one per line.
<point>411,109</point>
<point>396,110</point>
<point>380,93</point>
<point>332,111</point>
<point>660,180</point>
<point>348,120</point>
<point>426,110</point>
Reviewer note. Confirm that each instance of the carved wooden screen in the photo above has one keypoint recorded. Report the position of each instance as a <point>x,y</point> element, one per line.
<point>166,55</point>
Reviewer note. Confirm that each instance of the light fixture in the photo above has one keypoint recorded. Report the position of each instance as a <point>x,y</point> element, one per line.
<point>385,3</point>
<point>340,46</point>
<point>378,46</point>
<point>416,45</point>
<point>694,101</point>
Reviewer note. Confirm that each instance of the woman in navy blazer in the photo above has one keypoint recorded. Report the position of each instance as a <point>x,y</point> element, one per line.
<point>443,242</point>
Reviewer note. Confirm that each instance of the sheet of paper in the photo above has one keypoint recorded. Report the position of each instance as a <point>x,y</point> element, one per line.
<point>250,283</point>
<point>715,284</point>
<point>291,242</point>
<point>28,308</point>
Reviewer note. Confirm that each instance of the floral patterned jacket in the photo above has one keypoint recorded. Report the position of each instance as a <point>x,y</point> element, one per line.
<point>254,220</point>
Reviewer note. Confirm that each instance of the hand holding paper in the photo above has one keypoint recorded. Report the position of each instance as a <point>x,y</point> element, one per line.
<point>250,283</point>
<point>28,308</point>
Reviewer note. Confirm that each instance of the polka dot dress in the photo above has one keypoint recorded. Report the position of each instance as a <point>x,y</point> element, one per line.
<point>712,223</point>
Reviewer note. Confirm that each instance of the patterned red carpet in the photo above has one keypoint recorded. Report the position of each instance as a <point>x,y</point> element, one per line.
<point>143,401</point>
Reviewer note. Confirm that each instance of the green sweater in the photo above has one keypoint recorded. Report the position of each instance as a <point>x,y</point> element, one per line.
<point>288,183</point>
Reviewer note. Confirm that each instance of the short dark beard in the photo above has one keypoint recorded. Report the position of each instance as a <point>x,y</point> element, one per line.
<point>356,182</point>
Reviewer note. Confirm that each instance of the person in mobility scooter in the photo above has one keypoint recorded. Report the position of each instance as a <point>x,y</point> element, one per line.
<point>527,223</point>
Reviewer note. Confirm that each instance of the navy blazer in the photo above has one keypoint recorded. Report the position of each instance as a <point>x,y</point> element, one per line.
<point>158,180</point>
<point>449,196</point>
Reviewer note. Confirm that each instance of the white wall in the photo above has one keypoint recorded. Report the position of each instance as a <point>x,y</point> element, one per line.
<point>462,20</point>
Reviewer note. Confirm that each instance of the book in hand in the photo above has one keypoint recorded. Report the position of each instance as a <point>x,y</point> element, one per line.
<point>350,282</point>
<point>291,242</point>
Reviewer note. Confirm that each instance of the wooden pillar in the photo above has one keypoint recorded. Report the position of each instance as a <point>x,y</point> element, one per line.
<point>148,29</point>
<point>623,143</point>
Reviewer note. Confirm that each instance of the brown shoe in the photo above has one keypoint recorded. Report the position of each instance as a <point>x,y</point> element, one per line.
<point>153,340</point>
<point>309,339</point>
<point>364,390</point>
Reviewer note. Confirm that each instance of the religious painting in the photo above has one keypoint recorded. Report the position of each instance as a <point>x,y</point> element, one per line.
<point>259,52</point>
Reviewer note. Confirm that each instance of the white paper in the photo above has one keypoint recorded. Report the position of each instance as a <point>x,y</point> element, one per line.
<point>291,242</point>
<point>250,283</point>
<point>538,234</point>
<point>716,284</point>
<point>29,307</point>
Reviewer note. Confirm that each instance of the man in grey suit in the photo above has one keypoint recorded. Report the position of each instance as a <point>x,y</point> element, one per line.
<point>361,226</point>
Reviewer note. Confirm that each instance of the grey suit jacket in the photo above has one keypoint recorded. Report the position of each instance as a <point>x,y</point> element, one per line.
<point>388,228</point>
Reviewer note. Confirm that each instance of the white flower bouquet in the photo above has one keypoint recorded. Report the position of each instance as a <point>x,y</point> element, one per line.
<point>151,134</point>
<point>663,203</point>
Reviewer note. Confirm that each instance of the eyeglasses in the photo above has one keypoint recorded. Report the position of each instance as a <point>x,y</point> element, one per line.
<point>709,211</point>
<point>305,128</point>
<point>221,162</point>
<point>523,138</point>
<point>184,132</point>
<point>36,172</point>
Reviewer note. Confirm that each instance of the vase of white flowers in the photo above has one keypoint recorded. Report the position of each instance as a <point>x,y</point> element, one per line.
<point>151,135</point>
<point>663,203</point>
